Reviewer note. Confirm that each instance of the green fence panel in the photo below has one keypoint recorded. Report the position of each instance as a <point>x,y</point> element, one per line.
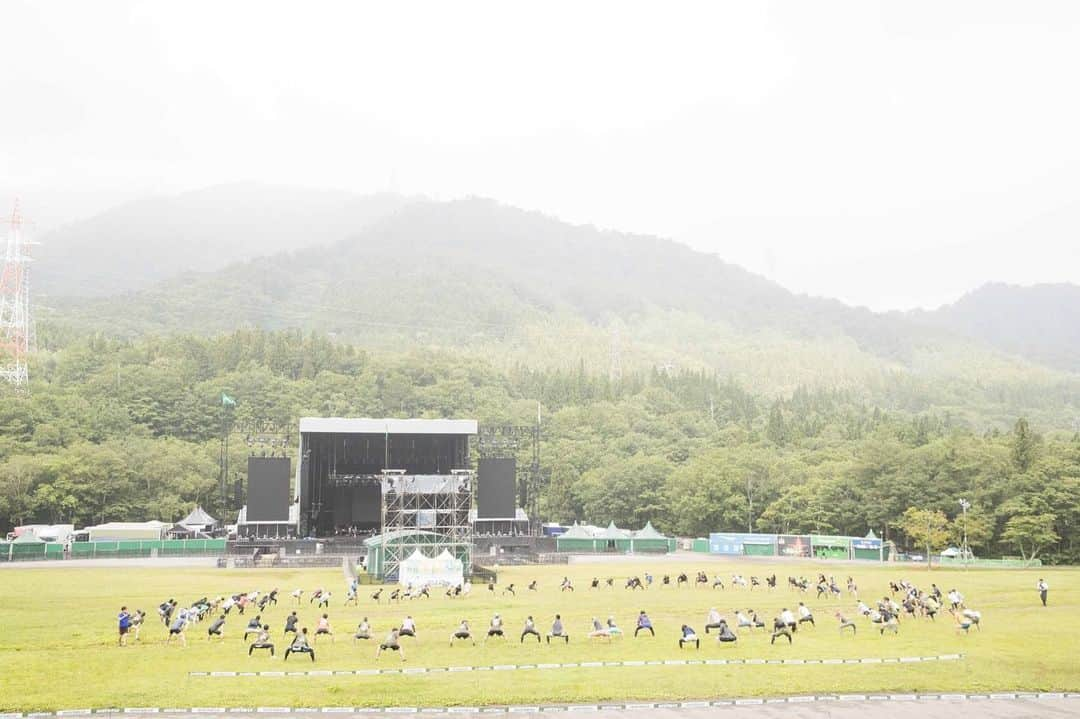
<point>867,554</point>
<point>54,550</point>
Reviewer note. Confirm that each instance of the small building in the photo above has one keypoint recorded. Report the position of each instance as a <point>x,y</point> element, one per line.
<point>576,539</point>
<point>120,531</point>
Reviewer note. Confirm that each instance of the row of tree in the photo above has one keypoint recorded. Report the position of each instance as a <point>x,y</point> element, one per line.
<point>130,430</point>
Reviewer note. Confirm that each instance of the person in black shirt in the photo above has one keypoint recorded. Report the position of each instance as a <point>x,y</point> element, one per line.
<point>216,628</point>
<point>290,623</point>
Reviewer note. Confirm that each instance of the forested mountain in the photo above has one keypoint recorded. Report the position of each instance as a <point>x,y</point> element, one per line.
<point>519,286</point>
<point>117,430</point>
<point>1041,322</point>
<point>140,243</point>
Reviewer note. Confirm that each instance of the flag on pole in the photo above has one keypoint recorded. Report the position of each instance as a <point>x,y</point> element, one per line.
<point>227,401</point>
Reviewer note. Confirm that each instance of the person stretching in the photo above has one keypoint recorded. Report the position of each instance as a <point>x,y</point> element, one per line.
<point>363,631</point>
<point>216,629</point>
<point>714,621</point>
<point>262,641</point>
<point>495,629</point>
<point>408,627</point>
<point>643,622</point>
<point>689,636</point>
<point>393,643</point>
<point>323,627</point>
<point>724,633</point>
<point>845,623</point>
<point>463,632</point>
<point>557,630</point>
<point>530,629</point>
<point>805,615</point>
<point>300,646</point>
<point>781,628</point>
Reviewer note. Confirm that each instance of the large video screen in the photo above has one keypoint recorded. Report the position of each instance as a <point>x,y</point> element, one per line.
<point>268,497</point>
<point>496,490</point>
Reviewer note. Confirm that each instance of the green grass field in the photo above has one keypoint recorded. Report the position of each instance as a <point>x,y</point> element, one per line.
<point>58,639</point>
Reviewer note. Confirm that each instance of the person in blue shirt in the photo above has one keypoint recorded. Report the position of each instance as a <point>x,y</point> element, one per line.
<point>643,622</point>
<point>689,637</point>
<point>124,624</point>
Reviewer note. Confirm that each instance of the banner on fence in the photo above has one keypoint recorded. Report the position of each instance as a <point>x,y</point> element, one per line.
<point>734,543</point>
<point>793,545</point>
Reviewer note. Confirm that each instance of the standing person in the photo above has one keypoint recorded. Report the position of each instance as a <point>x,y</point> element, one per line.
<point>643,622</point>
<point>1043,588</point>
<point>300,646</point>
<point>688,636</point>
<point>495,629</point>
<point>557,630</point>
<point>123,621</point>
<point>530,629</point>
<point>262,641</point>
<point>392,643</point>
<point>463,632</point>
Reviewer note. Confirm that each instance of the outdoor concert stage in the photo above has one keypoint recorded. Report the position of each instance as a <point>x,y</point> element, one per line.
<point>346,463</point>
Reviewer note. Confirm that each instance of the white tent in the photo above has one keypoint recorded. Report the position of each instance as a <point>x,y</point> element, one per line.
<point>420,571</point>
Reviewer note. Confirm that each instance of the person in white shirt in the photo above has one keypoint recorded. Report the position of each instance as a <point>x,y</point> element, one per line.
<point>363,631</point>
<point>788,618</point>
<point>805,615</point>
<point>530,629</point>
<point>296,594</point>
<point>408,628</point>
<point>463,632</point>
<point>714,620</point>
<point>323,627</point>
<point>742,620</point>
<point>495,629</point>
<point>1043,589</point>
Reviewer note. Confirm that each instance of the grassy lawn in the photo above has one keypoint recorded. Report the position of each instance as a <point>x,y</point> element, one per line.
<point>59,651</point>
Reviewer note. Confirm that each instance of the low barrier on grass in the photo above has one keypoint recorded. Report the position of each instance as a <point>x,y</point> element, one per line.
<point>206,712</point>
<point>577,665</point>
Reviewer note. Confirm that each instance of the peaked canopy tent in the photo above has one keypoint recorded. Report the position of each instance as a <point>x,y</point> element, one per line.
<point>418,570</point>
<point>576,539</point>
<point>648,539</point>
<point>198,520</point>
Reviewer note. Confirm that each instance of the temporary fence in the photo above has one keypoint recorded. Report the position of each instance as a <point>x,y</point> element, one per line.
<point>28,551</point>
<point>791,545</point>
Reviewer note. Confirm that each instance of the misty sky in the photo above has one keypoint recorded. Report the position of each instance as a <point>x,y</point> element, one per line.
<point>889,154</point>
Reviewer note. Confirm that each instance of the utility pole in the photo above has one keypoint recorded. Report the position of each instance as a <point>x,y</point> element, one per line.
<point>749,506</point>
<point>16,324</point>
<point>964,505</point>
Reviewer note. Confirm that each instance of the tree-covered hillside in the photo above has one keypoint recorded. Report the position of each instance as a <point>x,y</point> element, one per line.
<point>128,429</point>
<point>520,287</point>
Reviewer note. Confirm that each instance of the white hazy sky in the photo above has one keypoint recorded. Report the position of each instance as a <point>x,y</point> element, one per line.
<point>892,154</point>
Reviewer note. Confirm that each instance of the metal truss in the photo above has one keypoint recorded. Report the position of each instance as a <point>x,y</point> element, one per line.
<point>429,512</point>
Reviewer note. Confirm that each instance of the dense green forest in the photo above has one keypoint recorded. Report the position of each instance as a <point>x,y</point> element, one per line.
<point>127,429</point>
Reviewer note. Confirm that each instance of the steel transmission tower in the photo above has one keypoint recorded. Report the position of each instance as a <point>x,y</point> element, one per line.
<point>16,326</point>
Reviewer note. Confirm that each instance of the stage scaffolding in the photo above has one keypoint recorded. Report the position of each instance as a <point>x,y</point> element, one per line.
<point>429,512</point>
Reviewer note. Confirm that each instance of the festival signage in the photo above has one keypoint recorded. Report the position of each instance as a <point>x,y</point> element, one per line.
<point>789,545</point>
<point>734,543</point>
<point>863,543</point>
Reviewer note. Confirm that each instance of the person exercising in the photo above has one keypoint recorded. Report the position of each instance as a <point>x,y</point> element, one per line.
<point>391,643</point>
<point>557,630</point>
<point>689,636</point>
<point>530,629</point>
<point>262,641</point>
<point>300,645</point>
